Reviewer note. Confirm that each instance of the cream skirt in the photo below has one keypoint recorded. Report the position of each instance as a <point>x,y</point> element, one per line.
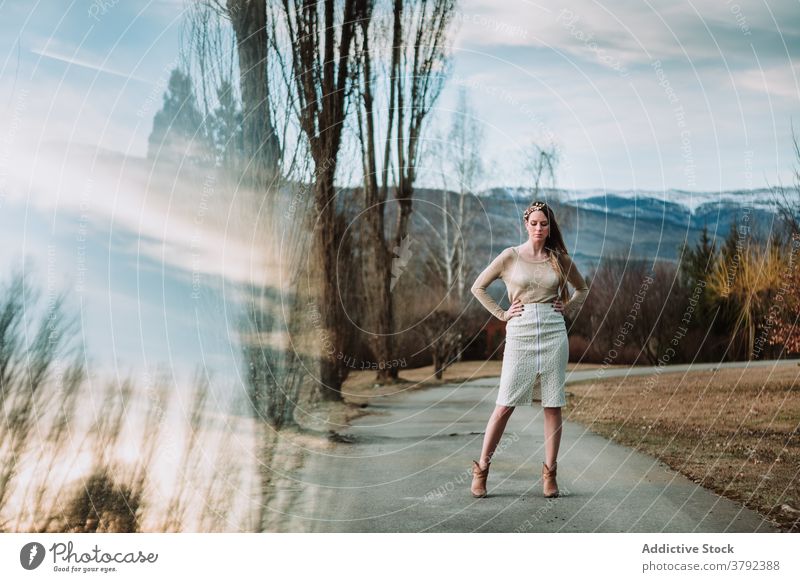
<point>535,358</point>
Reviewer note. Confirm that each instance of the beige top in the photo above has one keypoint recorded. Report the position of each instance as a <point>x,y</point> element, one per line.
<point>529,281</point>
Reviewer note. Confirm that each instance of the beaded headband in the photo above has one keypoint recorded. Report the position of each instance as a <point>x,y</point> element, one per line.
<point>534,207</point>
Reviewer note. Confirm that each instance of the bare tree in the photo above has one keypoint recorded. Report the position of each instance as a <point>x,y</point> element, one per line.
<point>208,52</point>
<point>462,154</point>
<point>320,44</point>
<point>458,157</point>
<point>443,334</point>
<point>249,20</point>
<point>417,56</point>
<point>541,163</point>
<point>627,314</point>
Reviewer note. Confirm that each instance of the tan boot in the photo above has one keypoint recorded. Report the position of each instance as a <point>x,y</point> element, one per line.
<point>549,484</point>
<point>479,475</point>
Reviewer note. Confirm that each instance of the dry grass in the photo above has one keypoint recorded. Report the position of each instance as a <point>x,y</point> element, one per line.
<point>96,455</point>
<point>736,432</point>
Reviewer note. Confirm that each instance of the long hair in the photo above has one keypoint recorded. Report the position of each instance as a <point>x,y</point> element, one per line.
<point>554,243</point>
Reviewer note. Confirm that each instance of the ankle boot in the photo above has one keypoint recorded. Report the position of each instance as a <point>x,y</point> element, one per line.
<point>549,484</point>
<point>479,475</point>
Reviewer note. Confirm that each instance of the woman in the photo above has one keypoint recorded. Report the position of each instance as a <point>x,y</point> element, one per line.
<point>536,349</point>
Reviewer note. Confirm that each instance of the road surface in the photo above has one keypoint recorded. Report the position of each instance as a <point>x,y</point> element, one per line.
<point>408,469</point>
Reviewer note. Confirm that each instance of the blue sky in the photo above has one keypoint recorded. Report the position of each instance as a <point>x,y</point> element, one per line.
<point>604,81</point>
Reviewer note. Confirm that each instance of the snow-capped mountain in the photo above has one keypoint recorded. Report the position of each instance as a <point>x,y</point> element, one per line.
<point>609,200</point>
<point>643,224</point>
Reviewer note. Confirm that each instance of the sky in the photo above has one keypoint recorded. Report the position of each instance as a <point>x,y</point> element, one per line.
<point>653,95</point>
<point>636,95</point>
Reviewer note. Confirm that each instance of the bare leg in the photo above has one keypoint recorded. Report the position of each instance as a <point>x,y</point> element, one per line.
<point>494,432</point>
<point>552,434</point>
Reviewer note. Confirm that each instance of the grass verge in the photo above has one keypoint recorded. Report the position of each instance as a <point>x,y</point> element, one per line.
<point>736,432</point>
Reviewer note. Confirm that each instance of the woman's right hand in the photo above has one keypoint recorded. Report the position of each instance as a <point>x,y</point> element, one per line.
<point>515,310</point>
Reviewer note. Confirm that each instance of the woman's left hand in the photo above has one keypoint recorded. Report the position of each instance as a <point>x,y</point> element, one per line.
<point>558,306</point>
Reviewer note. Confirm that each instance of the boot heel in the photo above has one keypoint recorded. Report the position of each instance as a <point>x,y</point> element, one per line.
<point>549,485</point>
<point>479,476</point>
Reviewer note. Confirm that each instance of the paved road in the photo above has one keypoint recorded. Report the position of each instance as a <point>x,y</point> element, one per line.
<point>408,470</point>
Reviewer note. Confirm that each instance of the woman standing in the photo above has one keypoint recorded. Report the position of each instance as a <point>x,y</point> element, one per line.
<point>537,348</point>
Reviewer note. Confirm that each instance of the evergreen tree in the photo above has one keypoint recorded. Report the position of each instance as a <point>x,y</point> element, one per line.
<point>734,242</point>
<point>178,130</point>
<point>696,264</point>
<point>698,260</point>
<point>226,129</point>
<point>725,272</point>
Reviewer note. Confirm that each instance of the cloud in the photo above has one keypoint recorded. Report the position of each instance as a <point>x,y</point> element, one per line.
<point>779,82</point>
<point>584,71</point>
<point>633,31</point>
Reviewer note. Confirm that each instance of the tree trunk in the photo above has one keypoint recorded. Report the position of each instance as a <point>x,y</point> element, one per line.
<point>460,252</point>
<point>378,259</point>
<point>415,66</point>
<point>327,233</point>
<point>377,267</point>
<point>320,75</point>
<point>262,147</point>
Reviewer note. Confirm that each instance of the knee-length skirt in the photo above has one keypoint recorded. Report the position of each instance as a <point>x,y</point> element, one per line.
<point>535,358</point>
